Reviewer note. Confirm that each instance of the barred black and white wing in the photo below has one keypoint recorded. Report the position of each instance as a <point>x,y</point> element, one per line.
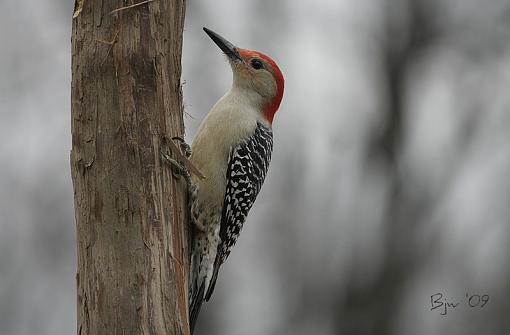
<point>246,171</point>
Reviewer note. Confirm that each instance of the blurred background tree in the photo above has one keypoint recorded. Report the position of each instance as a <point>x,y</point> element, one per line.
<point>389,180</point>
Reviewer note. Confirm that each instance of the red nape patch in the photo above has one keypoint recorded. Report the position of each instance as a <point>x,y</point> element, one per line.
<point>272,107</point>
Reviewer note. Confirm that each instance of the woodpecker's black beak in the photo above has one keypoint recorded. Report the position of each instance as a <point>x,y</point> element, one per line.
<point>228,48</point>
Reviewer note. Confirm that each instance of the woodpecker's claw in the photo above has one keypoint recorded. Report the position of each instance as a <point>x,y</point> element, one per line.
<point>179,157</point>
<point>185,148</point>
<point>178,170</point>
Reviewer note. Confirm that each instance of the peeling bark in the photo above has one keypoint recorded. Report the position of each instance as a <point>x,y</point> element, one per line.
<point>132,236</point>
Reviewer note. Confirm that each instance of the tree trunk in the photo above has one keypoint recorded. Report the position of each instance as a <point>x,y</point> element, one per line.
<point>131,216</point>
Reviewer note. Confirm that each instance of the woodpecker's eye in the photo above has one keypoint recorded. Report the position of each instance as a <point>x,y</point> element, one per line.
<point>256,64</point>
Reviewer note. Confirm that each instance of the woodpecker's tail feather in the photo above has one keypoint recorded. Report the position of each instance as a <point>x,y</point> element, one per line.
<point>194,309</point>
<point>203,270</point>
<point>204,260</point>
<point>212,283</point>
<point>196,287</point>
<point>197,298</point>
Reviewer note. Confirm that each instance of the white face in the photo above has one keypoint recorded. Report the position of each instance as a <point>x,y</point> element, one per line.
<point>255,74</point>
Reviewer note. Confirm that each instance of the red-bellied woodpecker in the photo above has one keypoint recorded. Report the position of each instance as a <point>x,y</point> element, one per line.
<point>232,148</point>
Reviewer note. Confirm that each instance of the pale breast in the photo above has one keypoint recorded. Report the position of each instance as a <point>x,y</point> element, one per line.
<point>229,122</point>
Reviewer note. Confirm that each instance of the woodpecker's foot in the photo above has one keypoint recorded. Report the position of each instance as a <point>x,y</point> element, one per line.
<point>196,221</point>
<point>200,227</point>
<point>180,157</point>
<point>178,168</point>
<point>185,148</point>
